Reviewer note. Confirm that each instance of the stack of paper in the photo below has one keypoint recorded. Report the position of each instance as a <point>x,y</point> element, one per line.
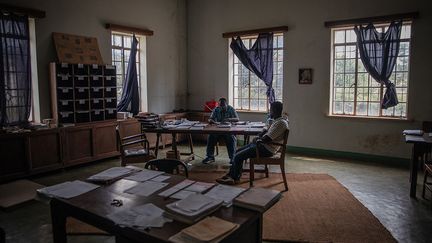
<point>197,187</point>
<point>226,193</point>
<point>210,229</point>
<point>259,199</point>
<point>142,217</point>
<point>144,175</point>
<point>192,208</point>
<point>146,188</point>
<point>257,124</point>
<point>67,189</point>
<point>111,174</point>
<point>176,188</point>
<point>413,132</point>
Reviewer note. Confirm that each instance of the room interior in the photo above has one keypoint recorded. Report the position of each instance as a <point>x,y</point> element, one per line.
<point>185,64</point>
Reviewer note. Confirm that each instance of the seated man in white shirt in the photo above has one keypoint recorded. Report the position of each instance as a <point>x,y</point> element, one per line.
<point>275,133</point>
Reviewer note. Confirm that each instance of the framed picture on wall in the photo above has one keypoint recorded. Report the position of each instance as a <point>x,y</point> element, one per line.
<point>305,76</point>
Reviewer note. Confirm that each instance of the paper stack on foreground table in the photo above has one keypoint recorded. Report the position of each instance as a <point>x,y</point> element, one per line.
<point>111,174</point>
<point>67,189</point>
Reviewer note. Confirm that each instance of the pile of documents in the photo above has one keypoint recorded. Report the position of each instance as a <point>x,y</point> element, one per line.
<point>144,175</point>
<point>192,208</point>
<point>142,217</point>
<point>196,187</point>
<point>210,229</point>
<point>111,174</point>
<point>258,199</point>
<point>67,189</point>
<point>146,188</point>
<point>225,193</point>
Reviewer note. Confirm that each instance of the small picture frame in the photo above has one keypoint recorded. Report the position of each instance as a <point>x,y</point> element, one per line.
<point>305,76</point>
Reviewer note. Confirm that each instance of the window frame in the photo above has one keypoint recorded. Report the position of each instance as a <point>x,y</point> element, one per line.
<point>381,114</point>
<point>260,84</point>
<point>141,65</point>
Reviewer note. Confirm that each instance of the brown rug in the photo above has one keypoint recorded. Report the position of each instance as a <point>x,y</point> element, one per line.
<point>316,208</point>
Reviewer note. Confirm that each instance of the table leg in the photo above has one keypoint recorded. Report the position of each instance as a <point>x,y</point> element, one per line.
<point>174,143</point>
<point>158,135</point>
<point>58,218</point>
<point>413,169</point>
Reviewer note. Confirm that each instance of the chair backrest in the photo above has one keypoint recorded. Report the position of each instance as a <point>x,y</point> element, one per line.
<point>282,149</point>
<point>167,165</point>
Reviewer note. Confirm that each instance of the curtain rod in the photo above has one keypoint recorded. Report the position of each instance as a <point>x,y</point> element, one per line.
<point>277,29</point>
<point>375,19</point>
<point>33,13</point>
<point>121,28</point>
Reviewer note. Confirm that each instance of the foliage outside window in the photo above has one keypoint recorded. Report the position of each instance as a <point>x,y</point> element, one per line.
<point>353,91</point>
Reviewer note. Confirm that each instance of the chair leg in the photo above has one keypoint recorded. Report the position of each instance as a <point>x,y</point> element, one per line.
<point>424,184</point>
<point>251,173</point>
<point>217,149</point>
<point>282,166</point>
<point>266,171</point>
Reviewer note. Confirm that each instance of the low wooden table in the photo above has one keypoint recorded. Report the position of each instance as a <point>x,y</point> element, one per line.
<point>421,143</point>
<point>210,129</point>
<point>92,208</point>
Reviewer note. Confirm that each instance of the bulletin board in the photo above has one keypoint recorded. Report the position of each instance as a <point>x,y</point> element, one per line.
<point>77,49</point>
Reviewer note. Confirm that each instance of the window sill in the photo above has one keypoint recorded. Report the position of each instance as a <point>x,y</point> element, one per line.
<point>370,118</point>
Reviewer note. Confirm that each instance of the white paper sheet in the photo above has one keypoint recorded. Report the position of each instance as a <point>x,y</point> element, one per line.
<point>146,188</point>
<point>68,189</point>
<point>161,178</point>
<point>111,174</point>
<point>144,216</point>
<point>226,193</point>
<point>199,186</point>
<point>182,194</point>
<point>176,188</point>
<point>194,204</point>
<point>144,175</point>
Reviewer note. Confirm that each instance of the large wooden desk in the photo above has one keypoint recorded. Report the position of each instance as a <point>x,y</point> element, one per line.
<point>421,143</point>
<point>210,129</point>
<point>93,207</point>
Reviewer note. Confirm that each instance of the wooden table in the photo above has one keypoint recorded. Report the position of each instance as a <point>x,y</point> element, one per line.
<point>92,208</point>
<point>210,129</point>
<point>421,144</point>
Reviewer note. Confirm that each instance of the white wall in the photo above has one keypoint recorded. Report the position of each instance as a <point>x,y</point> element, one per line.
<point>166,49</point>
<point>307,44</point>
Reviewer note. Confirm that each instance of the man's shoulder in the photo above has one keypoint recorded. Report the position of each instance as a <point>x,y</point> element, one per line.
<point>281,123</point>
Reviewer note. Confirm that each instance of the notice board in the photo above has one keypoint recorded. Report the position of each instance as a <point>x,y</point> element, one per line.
<point>77,49</point>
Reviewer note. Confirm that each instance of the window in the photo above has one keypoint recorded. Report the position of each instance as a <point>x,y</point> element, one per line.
<point>353,91</point>
<point>121,44</point>
<point>246,91</point>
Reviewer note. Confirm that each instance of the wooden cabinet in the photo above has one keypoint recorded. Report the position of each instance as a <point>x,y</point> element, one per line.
<point>13,162</point>
<point>29,153</point>
<point>44,150</point>
<point>89,142</point>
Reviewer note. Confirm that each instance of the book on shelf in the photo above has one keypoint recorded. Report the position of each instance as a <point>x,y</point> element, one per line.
<point>192,208</point>
<point>258,199</point>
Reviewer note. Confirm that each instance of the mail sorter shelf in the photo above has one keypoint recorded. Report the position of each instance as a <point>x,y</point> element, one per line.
<point>83,93</point>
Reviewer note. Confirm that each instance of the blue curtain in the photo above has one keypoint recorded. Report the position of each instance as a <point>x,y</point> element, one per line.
<point>258,59</point>
<point>130,97</point>
<point>15,72</point>
<point>378,52</point>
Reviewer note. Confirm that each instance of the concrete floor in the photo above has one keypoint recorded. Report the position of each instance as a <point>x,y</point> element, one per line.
<point>383,190</point>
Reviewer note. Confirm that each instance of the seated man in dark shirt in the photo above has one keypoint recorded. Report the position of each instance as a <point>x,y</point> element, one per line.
<point>222,113</point>
<point>275,134</point>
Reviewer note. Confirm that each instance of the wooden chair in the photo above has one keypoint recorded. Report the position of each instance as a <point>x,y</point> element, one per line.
<point>134,148</point>
<point>170,166</point>
<point>426,184</point>
<point>277,159</point>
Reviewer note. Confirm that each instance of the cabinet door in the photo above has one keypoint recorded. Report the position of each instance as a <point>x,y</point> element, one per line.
<point>105,140</point>
<point>40,158</point>
<point>78,145</point>
<point>13,154</point>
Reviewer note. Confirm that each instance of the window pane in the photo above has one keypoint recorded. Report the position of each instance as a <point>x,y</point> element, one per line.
<point>127,41</point>
<point>116,40</point>
<point>337,109</point>
<point>351,36</point>
<point>340,52</point>
<point>254,104</point>
<point>362,108</point>
<point>339,36</point>
<point>262,105</point>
